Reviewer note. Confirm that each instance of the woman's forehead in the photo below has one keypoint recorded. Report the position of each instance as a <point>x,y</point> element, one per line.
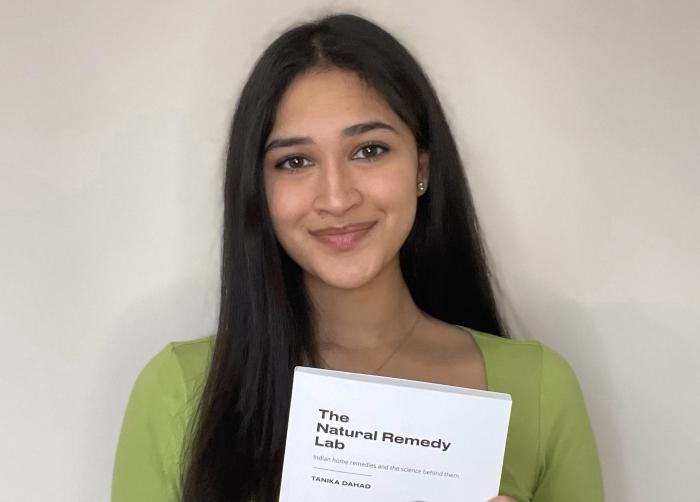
<point>327,101</point>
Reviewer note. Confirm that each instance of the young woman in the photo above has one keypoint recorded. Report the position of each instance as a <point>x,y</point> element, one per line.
<point>350,242</point>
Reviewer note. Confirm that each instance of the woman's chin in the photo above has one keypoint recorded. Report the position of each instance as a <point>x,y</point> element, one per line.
<point>346,279</point>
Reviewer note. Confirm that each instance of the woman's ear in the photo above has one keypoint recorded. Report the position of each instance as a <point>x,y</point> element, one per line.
<point>423,171</point>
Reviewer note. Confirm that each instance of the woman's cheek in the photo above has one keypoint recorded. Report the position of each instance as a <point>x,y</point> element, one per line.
<point>283,200</point>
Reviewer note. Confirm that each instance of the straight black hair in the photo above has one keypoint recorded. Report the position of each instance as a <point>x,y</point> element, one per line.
<point>236,441</point>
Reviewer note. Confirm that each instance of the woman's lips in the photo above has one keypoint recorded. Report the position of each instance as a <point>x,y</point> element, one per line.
<point>343,238</point>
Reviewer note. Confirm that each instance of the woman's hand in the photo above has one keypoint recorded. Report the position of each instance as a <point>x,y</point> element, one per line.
<point>503,499</point>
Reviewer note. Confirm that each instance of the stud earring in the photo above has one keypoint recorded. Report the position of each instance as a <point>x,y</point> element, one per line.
<point>420,186</point>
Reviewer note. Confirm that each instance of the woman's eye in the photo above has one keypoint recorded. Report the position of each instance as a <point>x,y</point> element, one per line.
<point>371,152</point>
<point>291,163</point>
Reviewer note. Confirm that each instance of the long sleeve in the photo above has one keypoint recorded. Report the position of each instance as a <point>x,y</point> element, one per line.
<point>570,469</point>
<point>147,462</point>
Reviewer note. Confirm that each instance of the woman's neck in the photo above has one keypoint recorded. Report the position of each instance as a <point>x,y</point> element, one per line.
<point>372,318</point>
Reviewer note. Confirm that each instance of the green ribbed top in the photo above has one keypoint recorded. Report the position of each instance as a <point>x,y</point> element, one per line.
<point>550,453</point>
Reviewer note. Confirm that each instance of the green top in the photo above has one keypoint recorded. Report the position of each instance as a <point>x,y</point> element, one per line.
<point>550,451</point>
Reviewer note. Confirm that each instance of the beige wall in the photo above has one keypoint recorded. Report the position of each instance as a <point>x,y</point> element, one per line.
<point>579,121</point>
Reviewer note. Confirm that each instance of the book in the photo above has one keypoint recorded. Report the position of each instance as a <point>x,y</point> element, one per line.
<point>355,437</point>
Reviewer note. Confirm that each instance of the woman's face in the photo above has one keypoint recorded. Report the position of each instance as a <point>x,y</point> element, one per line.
<point>340,172</point>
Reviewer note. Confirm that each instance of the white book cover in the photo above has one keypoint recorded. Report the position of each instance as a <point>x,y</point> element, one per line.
<point>354,437</point>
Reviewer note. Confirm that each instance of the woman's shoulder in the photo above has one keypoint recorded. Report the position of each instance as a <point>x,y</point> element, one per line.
<point>160,407</point>
<point>505,347</point>
<point>193,356</point>
<point>517,352</point>
<point>512,362</point>
<point>180,367</point>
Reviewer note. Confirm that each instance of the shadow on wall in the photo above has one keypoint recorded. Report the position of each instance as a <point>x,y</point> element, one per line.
<point>183,311</point>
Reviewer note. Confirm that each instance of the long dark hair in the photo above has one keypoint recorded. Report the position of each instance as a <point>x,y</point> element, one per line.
<point>265,327</point>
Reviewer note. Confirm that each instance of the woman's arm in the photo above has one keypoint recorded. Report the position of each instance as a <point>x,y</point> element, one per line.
<point>147,462</point>
<point>571,469</point>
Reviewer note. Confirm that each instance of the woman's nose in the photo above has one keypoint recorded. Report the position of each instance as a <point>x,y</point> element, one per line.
<point>337,190</point>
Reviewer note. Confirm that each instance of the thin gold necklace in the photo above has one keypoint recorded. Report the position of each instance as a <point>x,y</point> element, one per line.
<point>393,352</point>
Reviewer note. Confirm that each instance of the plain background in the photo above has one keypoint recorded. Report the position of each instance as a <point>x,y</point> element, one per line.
<point>579,124</point>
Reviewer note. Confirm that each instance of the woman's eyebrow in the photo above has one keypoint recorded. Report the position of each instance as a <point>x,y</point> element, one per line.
<point>349,131</point>
<point>356,129</point>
